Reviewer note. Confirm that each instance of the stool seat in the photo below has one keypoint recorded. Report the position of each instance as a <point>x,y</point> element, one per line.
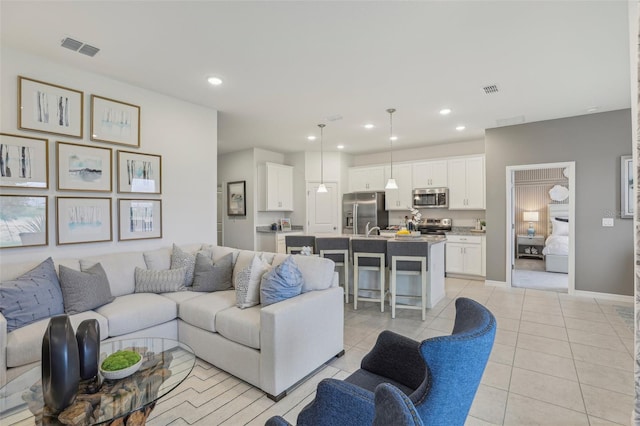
<point>336,249</point>
<point>295,243</point>
<point>408,258</point>
<point>369,253</point>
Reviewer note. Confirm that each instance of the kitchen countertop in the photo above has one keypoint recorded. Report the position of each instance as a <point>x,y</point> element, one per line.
<point>267,229</point>
<point>464,230</point>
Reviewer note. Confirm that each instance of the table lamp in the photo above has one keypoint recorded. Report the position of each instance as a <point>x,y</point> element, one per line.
<point>530,217</point>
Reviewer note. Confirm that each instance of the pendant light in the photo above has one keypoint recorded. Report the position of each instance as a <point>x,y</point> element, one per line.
<point>321,188</point>
<point>391,183</point>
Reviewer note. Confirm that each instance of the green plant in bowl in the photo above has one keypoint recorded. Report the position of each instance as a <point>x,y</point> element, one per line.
<point>120,360</point>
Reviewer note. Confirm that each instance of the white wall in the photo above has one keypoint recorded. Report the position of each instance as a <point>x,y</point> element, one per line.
<point>183,133</point>
<point>239,231</point>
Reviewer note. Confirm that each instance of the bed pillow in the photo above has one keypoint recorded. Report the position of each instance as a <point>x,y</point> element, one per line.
<point>182,259</point>
<point>560,227</point>
<point>84,290</point>
<point>212,276</point>
<point>160,281</point>
<point>33,296</point>
<point>247,283</point>
<point>281,283</point>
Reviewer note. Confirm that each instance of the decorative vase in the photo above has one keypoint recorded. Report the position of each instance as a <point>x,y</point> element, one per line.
<point>60,364</point>
<point>88,337</point>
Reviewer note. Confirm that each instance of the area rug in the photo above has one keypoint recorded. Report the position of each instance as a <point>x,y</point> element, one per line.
<point>540,280</point>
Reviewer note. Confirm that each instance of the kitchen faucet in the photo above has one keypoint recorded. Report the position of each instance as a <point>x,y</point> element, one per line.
<point>369,231</point>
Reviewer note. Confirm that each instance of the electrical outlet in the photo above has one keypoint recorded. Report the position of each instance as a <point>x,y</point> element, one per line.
<point>607,221</point>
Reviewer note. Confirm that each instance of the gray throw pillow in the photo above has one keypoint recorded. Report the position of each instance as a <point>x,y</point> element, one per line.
<point>152,281</point>
<point>181,259</point>
<point>84,290</point>
<point>210,276</point>
<point>31,297</point>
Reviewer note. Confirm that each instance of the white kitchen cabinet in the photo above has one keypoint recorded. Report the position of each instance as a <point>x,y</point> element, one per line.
<point>399,199</point>
<point>366,178</point>
<point>465,255</point>
<point>466,183</point>
<point>430,174</point>
<point>281,244</point>
<point>275,187</point>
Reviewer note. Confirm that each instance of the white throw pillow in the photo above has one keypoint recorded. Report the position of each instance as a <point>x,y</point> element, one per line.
<point>247,283</point>
<point>560,227</point>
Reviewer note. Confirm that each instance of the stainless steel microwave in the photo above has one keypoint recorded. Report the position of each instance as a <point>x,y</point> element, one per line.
<point>431,198</point>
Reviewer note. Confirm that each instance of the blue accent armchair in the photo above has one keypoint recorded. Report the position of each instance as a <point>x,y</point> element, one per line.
<point>439,377</point>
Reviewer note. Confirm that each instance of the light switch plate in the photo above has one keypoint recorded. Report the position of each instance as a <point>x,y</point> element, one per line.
<point>607,221</point>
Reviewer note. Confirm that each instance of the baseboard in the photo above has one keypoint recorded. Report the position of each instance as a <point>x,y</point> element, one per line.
<point>605,296</point>
<point>492,283</point>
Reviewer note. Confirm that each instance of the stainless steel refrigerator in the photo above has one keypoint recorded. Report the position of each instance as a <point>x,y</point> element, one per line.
<point>358,208</point>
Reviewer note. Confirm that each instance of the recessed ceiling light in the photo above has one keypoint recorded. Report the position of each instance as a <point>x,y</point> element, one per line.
<point>311,138</point>
<point>215,81</point>
<point>445,111</point>
<point>460,128</point>
<point>394,138</point>
<point>340,147</point>
<point>369,126</point>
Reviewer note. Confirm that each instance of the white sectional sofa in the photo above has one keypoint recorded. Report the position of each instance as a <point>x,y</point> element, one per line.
<point>271,347</point>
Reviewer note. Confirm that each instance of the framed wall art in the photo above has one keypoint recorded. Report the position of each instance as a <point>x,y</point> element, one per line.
<point>83,220</point>
<point>139,173</point>
<point>139,219</point>
<point>83,167</point>
<point>24,162</point>
<point>23,221</point>
<point>236,198</point>
<point>46,107</point>
<point>115,121</point>
<point>626,187</point>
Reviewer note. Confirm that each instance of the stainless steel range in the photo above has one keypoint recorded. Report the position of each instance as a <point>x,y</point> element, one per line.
<point>435,226</point>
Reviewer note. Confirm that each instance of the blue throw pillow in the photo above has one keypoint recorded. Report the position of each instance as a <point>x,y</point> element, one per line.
<point>281,283</point>
<point>31,297</point>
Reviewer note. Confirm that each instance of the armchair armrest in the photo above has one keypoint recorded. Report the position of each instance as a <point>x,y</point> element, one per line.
<point>394,407</point>
<point>398,358</point>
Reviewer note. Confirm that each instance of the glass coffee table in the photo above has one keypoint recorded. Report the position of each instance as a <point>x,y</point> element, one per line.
<point>166,363</point>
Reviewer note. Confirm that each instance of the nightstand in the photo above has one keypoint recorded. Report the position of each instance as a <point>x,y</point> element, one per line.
<point>530,246</point>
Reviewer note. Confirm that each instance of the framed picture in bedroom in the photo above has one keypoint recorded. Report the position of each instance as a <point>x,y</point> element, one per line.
<point>626,187</point>
<point>115,121</point>
<point>139,173</point>
<point>236,198</point>
<point>23,221</point>
<point>83,220</point>
<point>46,107</point>
<point>24,162</point>
<point>139,219</point>
<point>83,167</point>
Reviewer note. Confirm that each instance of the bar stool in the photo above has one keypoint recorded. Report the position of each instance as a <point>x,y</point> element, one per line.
<point>408,258</point>
<point>369,254</point>
<point>295,243</point>
<point>336,249</point>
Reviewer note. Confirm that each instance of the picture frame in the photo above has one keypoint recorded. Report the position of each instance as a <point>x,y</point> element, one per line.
<point>236,198</point>
<point>285,224</point>
<point>50,108</point>
<point>24,221</point>
<point>139,219</point>
<point>24,162</point>
<point>84,168</point>
<point>115,121</point>
<point>626,187</point>
<point>139,173</point>
<point>83,220</point>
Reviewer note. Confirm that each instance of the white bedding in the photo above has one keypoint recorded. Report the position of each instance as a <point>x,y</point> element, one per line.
<point>556,244</point>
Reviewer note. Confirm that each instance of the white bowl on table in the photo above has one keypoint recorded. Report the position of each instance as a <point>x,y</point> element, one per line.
<point>122,373</point>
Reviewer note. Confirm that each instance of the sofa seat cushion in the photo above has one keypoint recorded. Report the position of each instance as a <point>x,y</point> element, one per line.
<point>240,325</point>
<point>24,345</point>
<point>181,296</point>
<point>137,311</point>
<point>201,311</point>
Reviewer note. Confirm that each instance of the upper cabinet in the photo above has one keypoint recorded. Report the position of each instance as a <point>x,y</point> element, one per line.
<point>399,199</point>
<point>430,174</point>
<point>275,187</point>
<point>366,178</point>
<point>466,183</point>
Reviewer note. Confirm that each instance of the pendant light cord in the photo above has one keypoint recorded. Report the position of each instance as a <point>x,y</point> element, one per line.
<point>321,154</point>
<point>391,111</point>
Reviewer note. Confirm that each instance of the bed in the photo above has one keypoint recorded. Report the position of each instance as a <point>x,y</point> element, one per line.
<point>556,246</point>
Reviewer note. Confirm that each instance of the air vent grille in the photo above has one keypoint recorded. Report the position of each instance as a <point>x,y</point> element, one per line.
<point>79,46</point>
<point>490,89</point>
<point>88,50</point>
<point>70,43</point>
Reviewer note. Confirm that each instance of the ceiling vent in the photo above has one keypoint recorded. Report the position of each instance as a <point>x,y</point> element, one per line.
<point>78,46</point>
<point>490,89</point>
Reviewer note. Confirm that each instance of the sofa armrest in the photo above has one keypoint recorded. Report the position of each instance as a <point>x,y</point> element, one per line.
<point>298,335</point>
<point>3,350</point>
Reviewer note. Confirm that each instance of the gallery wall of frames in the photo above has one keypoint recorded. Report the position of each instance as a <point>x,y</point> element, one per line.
<point>111,175</point>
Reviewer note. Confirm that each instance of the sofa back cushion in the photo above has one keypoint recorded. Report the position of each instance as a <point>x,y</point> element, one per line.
<point>317,272</point>
<point>120,269</point>
<point>158,260</point>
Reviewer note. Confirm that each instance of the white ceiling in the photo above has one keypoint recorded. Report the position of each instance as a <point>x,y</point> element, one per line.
<point>288,66</point>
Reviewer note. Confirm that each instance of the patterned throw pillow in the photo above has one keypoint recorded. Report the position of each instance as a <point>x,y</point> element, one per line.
<point>154,281</point>
<point>86,290</point>
<point>210,276</point>
<point>31,297</point>
<point>281,283</point>
<point>181,259</point>
<point>247,283</point>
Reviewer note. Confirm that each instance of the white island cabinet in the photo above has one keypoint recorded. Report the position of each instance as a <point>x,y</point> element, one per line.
<point>275,187</point>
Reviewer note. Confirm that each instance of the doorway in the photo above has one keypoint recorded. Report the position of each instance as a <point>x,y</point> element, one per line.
<point>322,209</point>
<point>540,226</point>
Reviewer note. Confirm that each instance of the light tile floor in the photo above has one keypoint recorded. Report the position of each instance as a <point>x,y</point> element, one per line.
<point>557,360</point>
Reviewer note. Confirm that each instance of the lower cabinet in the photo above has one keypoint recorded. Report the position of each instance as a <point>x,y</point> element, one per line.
<point>281,245</point>
<point>464,255</point>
